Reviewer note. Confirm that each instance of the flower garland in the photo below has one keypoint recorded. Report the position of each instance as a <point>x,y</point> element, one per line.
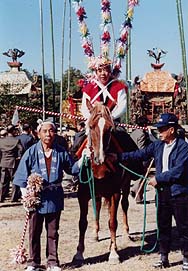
<point>122,42</point>
<point>85,35</point>
<point>106,21</point>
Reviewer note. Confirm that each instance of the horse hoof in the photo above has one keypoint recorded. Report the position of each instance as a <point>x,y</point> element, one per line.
<point>78,259</point>
<point>127,237</point>
<point>95,236</point>
<point>77,262</point>
<point>114,261</point>
<point>113,258</point>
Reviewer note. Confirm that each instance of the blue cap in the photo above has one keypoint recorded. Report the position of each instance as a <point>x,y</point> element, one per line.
<point>167,119</point>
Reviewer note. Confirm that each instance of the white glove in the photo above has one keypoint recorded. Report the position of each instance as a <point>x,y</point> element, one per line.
<point>85,153</point>
<point>29,209</point>
<point>23,191</point>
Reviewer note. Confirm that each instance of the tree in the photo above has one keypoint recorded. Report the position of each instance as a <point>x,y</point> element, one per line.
<point>34,99</point>
<point>75,75</point>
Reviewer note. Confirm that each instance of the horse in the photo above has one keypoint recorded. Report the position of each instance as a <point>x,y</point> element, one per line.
<point>107,178</point>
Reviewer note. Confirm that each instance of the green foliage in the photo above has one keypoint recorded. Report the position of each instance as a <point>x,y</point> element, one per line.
<point>75,75</point>
<point>8,103</point>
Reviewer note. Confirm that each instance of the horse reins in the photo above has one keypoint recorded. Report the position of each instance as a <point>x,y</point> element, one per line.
<point>144,224</point>
<point>90,180</point>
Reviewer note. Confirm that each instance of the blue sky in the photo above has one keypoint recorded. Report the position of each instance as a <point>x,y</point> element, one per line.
<point>154,25</point>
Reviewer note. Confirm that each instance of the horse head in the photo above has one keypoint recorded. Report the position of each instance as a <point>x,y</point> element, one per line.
<point>99,127</point>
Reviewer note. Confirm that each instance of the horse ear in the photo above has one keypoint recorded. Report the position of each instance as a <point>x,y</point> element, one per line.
<point>89,105</point>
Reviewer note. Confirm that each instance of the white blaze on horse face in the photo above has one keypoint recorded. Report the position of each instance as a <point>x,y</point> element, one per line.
<point>101,124</point>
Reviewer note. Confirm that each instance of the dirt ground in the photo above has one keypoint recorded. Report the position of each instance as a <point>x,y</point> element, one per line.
<point>12,217</point>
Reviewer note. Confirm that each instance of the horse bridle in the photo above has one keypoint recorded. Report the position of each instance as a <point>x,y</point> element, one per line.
<point>90,139</point>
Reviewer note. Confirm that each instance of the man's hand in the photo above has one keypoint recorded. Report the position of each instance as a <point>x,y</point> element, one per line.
<point>23,191</point>
<point>85,153</point>
<point>28,210</point>
<point>152,181</point>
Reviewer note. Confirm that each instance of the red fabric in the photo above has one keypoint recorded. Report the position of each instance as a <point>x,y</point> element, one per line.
<point>176,87</point>
<point>71,105</point>
<point>91,89</point>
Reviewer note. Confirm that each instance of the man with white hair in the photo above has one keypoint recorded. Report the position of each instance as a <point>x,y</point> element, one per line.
<point>49,160</point>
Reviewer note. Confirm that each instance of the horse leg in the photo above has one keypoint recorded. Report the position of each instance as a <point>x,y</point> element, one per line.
<point>97,224</point>
<point>113,223</point>
<point>124,200</point>
<point>83,204</point>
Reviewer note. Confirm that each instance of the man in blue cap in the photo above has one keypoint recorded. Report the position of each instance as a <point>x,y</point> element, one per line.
<point>170,154</point>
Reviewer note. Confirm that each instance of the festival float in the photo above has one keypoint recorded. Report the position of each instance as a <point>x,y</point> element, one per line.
<point>15,82</point>
<point>159,91</point>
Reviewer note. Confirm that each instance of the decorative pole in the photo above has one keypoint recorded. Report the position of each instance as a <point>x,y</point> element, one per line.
<point>183,49</point>
<point>42,57</point>
<point>129,73</point>
<point>128,69</point>
<point>62,65</point>
<point>53,55</point>
<point>69,59</point>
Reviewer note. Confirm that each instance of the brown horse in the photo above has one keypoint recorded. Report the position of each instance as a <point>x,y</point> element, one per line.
<point>107,178</point>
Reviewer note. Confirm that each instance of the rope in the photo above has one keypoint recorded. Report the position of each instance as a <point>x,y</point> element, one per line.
<point>75,117</point>
<point>89,180</point>
<point>21,257</point>
<point>144,223</point>
<point>30,202</point>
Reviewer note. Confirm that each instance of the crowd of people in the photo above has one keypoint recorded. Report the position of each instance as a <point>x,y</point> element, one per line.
<point>13,144</point>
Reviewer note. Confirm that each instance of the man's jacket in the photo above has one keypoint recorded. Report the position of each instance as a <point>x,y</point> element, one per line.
<point>177,175</point>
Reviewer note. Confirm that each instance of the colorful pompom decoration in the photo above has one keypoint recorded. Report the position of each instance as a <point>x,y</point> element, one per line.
<point>121,46</point>
<point>30,202</point>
